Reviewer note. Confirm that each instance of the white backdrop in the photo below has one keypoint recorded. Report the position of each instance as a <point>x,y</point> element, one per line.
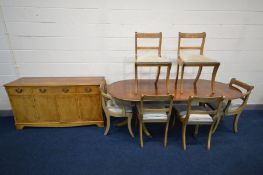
<point>89,38</point>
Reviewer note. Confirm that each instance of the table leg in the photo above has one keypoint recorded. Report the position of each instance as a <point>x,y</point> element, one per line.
<point>181,81</point>
<point>157,76</point>
<point>198,75</point>
<point>168,78</point>
<point>214,77</point>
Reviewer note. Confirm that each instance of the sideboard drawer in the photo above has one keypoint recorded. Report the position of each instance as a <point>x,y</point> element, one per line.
<point>88,89</point>
<point>44,90</point>
<point>65,90</point>
<point>19,91</point>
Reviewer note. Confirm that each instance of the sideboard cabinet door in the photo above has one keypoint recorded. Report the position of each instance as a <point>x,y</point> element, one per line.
<point>90,107</point>
<point>68,108</point>
<point>46,108</point>
<point>23,108</point>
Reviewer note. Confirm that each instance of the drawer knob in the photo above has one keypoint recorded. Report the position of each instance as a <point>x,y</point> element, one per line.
<point>87,89</point>
<point>43,90</point>
<point>19,90</point>
<point>65,90</point>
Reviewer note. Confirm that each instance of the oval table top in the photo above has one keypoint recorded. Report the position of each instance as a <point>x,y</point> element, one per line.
<point>125,89</point>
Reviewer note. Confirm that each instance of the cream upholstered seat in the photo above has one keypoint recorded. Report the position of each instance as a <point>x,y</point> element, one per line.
<point>199,115</point>
<point>155,116</point>
<point>141,60</point>
<point>197,59</point>
<point>114,109</point>
<point>199,119</point>
<point>194,60</point>
<point>154,109</point>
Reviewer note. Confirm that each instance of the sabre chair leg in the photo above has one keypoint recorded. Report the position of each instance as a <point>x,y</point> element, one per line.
<point>216,125</point>
<point>141,136</point>
<point>157,77</point>
<point>146,131</point>
<point>136,78</point>
<point>177,75</point>
<point>166,134</point>
<point>214,77</point>
<point>184,136</point>
<point>196,130</point>
<point>235,124</point>
<point>108,125</point>
<point>198,75</point>
<point>129,126</point>
<point>181,81</point>
<point>209,137</point>
<point>168,78</point>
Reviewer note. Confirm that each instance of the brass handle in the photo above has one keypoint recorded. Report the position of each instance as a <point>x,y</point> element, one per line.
<point>42,90</point>
<point>19,90</point>
<point>65,90</point>
<point>87,89</point>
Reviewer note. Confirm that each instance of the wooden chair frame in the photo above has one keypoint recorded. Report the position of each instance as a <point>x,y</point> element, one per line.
<point>104,98</point>
<point>214,113</point>
<point>183,64</point>
<point>151,64</point>
<point>143,109</point>
<point>227,111</point>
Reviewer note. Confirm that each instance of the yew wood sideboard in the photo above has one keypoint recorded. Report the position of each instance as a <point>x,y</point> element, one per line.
<point>56,101</point>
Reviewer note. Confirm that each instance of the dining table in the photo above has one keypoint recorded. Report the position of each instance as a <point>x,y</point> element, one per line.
<point>126,89</point>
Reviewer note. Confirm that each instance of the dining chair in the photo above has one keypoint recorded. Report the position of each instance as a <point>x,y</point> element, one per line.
<point>228,109</point>
<point>151,61</point>
<point>151,113</point>
<point>114,108</point>
<point>198,115</point>
<point>195,60</point>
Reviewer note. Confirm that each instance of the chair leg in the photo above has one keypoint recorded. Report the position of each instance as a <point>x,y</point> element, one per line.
<point>157,76</point>
<point>108,125</point>
<point>177,75</point>
<point>217,123</point>
<point>129,126</point>
<point>209,137</point>
<point>235,124</point>
<point>136,78</point>
<point>146,131</point>
<point>166,134</point>
<point>198,75</point>
<point>214,77</point>
<point>196,130</point>
<point>168,78</point>
<point>181,81</point>
<point>183,136</point>
<point>141,136</point>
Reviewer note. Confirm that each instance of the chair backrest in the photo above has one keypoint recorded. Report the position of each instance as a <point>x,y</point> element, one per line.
<point>193,36</point>
<point>192,101</point>
<point>239,85</point>
<point>148,36</point>
<point>160,103</point>
<point>104,96</point>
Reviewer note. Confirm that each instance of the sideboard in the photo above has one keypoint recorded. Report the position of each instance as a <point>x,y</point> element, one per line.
<point>56,101</point>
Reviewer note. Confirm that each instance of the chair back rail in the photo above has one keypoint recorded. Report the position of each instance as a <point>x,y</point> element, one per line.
<point>236,84</point>
<point>148,35</point>
<point>193,36</point>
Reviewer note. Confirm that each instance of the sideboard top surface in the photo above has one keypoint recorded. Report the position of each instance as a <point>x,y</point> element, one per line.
<point>55,81</point>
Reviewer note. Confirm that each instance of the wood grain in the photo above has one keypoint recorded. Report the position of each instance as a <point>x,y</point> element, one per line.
<point>125,89</point>
<point>56,101</point>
